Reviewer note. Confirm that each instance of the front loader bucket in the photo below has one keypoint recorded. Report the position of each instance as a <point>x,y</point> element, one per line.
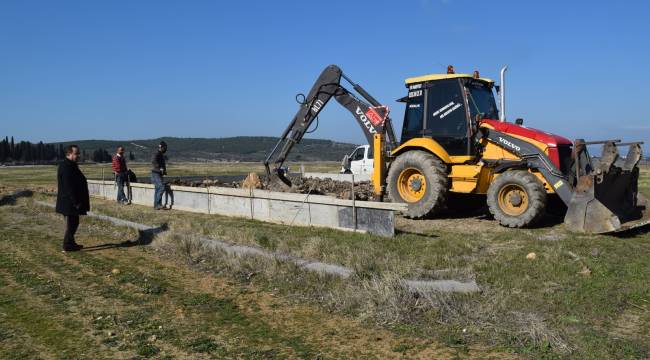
<point>607,199</point>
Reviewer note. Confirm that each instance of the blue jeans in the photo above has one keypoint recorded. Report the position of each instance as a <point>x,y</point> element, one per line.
<point>120,179</point>
<point>157,181</point>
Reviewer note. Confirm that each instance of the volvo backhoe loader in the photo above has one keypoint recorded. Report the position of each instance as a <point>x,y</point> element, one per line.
<point>454,139</point>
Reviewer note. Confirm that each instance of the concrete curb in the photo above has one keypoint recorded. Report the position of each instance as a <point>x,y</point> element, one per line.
<point>263,205</point>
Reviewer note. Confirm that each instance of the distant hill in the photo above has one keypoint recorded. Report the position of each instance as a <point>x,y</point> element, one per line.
<point>241,148</point>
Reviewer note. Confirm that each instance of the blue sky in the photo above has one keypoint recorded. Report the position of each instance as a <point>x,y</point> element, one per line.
<point>143,69</point>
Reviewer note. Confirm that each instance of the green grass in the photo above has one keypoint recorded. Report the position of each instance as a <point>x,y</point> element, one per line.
<point>544,308</point>
<point>38,292</point>
<point>45,175</point>
<point>55,305</point>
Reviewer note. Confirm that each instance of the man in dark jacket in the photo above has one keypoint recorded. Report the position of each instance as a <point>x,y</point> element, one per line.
<point>158,170</point>
<point>72,197</point>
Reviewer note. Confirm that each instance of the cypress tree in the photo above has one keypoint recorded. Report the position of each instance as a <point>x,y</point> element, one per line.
<point>40,154</point>
<point>2,151</point>
<point>106,156</point>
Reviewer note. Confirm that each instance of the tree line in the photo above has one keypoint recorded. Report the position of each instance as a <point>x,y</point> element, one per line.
<point>41,153</point>
<point>27,152</point>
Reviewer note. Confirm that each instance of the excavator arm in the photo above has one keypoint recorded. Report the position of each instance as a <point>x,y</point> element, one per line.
<point>372,118</point>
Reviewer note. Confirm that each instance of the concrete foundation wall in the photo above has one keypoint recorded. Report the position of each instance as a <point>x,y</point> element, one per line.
<point>285,208</point>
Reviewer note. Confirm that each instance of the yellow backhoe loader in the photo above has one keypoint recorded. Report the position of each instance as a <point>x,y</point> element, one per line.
<point>454,139</point>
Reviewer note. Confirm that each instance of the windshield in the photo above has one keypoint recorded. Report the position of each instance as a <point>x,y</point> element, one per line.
<point>481,101</point>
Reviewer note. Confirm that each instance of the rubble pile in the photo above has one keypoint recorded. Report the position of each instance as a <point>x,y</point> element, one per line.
<point>340,189</point>
<point>203,183</point>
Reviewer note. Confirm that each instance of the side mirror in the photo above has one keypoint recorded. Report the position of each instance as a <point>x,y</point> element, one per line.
<point>345,164</point>
<point>519,121</point>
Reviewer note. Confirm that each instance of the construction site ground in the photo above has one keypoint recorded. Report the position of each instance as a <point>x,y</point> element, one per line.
<point>163,296</point>
<point>297,184</point>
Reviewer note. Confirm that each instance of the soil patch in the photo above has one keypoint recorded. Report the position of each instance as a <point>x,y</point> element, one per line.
<point>339,189</point>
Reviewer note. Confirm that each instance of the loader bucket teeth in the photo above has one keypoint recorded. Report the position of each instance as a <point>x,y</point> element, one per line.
<point>609,157</point>
<point>633,157</point>
<point>607,200</point>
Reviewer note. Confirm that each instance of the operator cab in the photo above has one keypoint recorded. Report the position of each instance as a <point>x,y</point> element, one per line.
<point>445,107</point>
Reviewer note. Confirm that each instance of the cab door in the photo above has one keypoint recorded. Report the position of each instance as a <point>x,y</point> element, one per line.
<point>446,119</point>
<point>368,161</point>
<point>357,160</point>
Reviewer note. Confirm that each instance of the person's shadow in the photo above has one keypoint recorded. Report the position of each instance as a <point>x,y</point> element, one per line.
<point>11,198</point>
<point>145,237</point>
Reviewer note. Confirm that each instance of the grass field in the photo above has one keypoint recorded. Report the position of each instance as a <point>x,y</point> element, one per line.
<point>45,175</point>
<point>581,297</point>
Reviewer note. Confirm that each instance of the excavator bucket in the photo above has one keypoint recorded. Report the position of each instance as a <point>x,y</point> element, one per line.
<point>606,197</point>
<point>277,180</point>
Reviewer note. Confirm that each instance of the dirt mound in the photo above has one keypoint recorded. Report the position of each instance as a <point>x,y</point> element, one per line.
<point>252,181</point>
<point>339,189</point>
<point>203,183</point>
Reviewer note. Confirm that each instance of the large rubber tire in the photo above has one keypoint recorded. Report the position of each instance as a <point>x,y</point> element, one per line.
<point>517,199</point>
<point>432,170</point>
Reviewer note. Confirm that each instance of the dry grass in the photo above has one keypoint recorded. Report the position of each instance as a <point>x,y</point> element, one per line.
<point>55,305</point>
<point>378,299</point>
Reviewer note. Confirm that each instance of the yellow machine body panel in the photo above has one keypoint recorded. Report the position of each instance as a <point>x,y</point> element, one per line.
<point>465,178</point>
<point>379,169</point>
<point>426,144</point>
<point>433,77</point>
<point>497,152</point>
<point>476,179</point>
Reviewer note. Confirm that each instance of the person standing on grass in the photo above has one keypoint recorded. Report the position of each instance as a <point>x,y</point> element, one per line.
<point>72,199</point>
<point>158,170</point>
<point>121,172</point>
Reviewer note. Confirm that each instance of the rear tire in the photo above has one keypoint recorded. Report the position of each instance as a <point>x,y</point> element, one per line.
<point>517,199</point>
<point>419,179</point>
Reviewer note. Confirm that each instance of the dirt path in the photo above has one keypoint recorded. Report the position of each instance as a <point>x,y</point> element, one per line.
<point>128,301</point>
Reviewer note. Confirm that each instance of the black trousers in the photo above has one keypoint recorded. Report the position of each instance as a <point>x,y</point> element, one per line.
<point>72,223</point>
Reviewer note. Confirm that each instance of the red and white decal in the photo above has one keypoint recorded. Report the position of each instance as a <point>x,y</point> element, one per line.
<point>374,116</point>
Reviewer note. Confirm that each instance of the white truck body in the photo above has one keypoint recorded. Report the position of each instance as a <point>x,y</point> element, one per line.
<point>361,161</point>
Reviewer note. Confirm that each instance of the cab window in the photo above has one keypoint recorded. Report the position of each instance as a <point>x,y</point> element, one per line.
<point>414,115</point>
<point>446,116</point>
<point>358,154</point>
<point>481,100</point>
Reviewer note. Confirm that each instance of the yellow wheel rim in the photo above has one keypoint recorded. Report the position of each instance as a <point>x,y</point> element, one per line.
<point>411,185</point>
<point>513,200</point>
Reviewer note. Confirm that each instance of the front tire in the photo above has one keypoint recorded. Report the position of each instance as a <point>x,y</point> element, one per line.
<point>517,199</point>
<point>420,180</point>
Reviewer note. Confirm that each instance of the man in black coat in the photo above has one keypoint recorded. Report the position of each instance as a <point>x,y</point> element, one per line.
<point>158,170</point>
<point>72,197</point>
